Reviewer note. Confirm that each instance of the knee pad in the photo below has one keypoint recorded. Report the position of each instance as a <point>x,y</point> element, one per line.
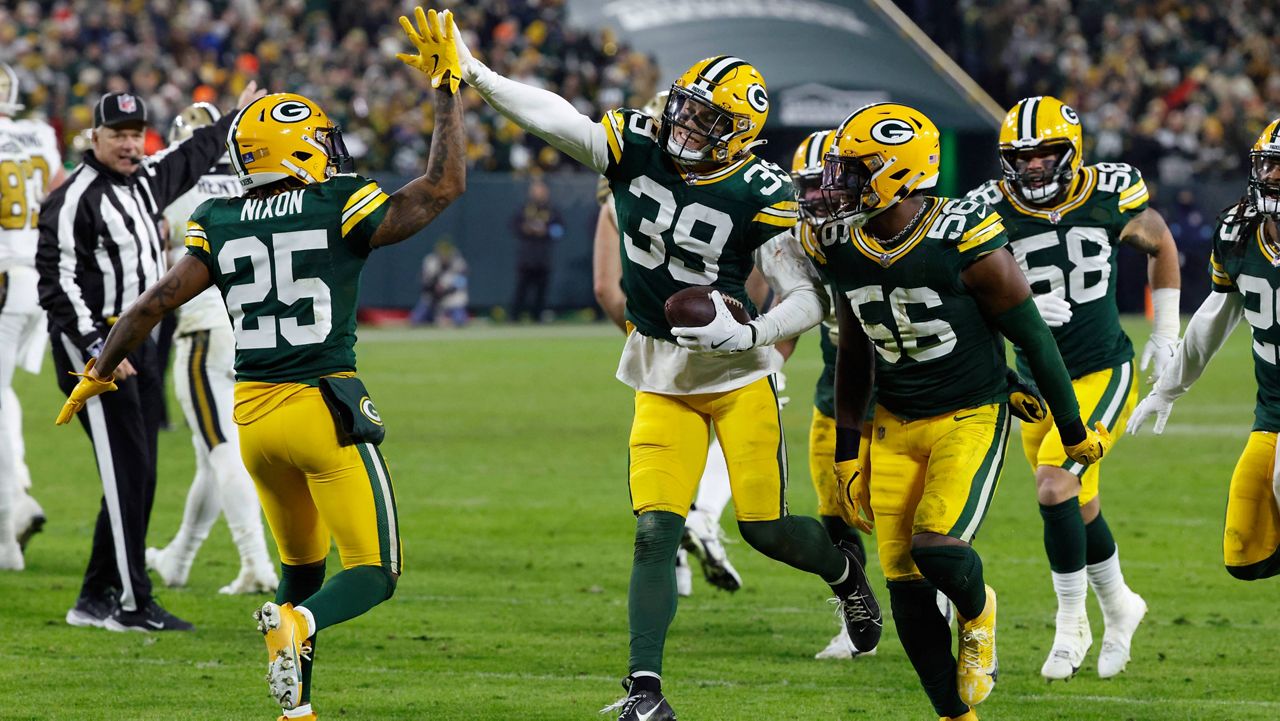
<point>658,536</point>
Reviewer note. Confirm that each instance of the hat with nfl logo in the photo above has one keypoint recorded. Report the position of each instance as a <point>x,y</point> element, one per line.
<point>120,110</point>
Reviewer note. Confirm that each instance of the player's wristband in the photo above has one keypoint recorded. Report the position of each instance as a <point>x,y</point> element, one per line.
<point>847,442</point>
<point>1072,433</point>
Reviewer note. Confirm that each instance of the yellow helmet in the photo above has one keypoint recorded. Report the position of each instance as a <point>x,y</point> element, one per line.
<point>882,153</point>
<point>1040,127</point>
<point>714,112</point>
<point>806,174</point>
<point>193,116</point>
<point>1264,170</point>
<point>8,91</point>
<point>285,136</point>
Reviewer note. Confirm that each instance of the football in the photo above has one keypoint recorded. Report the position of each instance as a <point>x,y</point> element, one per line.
<point>693,307</point>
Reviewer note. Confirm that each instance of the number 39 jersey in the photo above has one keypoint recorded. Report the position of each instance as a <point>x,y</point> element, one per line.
<point>679,230</point>
<point>1070,250</point>
<point>936,352</point>
<point>288,268</point>
<point>1243,261</point>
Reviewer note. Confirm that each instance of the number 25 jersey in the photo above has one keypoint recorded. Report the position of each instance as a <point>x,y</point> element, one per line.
<point>288,267</point>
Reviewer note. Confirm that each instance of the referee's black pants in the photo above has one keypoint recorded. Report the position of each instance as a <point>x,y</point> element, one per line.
<point>123,426</point>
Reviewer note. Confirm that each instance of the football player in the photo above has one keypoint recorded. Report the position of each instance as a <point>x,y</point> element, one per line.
<point>1065,221</point>
<point>702,532</point>
<point>30,166</point>
<point>930,283</point>
<point>204,349</point>
<point>1244,275</point>
<point>694,206</point>
<point>286,258</point>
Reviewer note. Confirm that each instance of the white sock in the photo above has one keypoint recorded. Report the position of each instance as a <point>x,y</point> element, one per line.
<point>1072,589</point>
<point>1107,581</point>
<point>298,712</point>
<point>311,620</point>
<point>714,491</point>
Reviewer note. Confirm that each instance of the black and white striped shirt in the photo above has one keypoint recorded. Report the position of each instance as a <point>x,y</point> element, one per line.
<point>100,244</point>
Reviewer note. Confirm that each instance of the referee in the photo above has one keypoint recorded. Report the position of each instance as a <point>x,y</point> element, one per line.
<point>99,249</point>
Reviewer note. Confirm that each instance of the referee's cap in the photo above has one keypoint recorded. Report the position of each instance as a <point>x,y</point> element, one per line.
<point>120,110</point>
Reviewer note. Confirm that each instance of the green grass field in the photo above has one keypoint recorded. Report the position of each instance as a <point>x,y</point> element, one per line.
<point>508,449</point>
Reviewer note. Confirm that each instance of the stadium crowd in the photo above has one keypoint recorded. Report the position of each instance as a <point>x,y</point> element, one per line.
<point>68,53</point>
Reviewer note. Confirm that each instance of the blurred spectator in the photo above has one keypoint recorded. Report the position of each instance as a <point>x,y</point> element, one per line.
<point>444,288</point>
<point>340,54</point>
<point>537,226</point>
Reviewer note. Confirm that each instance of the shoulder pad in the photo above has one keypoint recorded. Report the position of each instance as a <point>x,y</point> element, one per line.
<point>989,193</point>
<point>965,223</point>
<point>1233,221</point>
<point>1117,177</point>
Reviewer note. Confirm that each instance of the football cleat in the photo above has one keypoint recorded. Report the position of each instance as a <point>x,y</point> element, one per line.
<point>151,617</point>
<point>857,607</point>
<point>285,632</point>
<point>169,566</point>
<point>11,557</point>
<point>641,705</point>
<point>1120,623</point>
<point>29,519</point>
<point>969,715</point>
<point>92,611</point>
<point>702,538</point>
<point>977,666</point>
<point>253,578</point>
<point>948,611</point>
<point>1071,641</point>
<point>841,647</point>
<point>308,715</point>
<point>684,574</point>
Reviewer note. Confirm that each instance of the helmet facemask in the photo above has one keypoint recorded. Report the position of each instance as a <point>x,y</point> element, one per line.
<point>695,131</point>
<point>1050,177</point>
<point>847,188</point>
<point>1264,181</point>
<point>810,196</point>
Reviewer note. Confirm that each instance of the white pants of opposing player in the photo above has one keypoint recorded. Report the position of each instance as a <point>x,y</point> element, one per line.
<point>204,381</point>
<point>22,344</point>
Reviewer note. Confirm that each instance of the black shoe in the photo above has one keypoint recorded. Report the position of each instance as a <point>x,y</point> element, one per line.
<point>641,705</point>
<point>857,605</point>
<point>92,611</point>
<point>34,526</point>
<point>151,617</point>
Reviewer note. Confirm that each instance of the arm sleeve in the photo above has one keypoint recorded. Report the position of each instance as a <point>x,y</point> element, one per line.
<point>175,171</point>
<point>1208,330</point>
<point>546,115</point>
<point>802,303</point>
<point>1023,326</point>
<point>62,223</point>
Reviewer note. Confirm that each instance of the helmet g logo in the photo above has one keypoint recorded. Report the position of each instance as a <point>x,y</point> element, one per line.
<point>290,111</point>
<point>1069,115</point>
<point>892,131</point>
<point>758,98</point>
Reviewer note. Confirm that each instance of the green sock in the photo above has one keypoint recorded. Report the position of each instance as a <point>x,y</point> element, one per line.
<point>651,598</point>
<point>1099,544</point>
<point>798,541</point>
<point>1064,536</point>
<point>957,572</point>
<point>926,638</point>
<point>840,532</point>
<point>298,583</point>
<point>349,594</point>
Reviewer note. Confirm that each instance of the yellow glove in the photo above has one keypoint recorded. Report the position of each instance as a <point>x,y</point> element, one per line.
<point>1093,447</point>
<point>854,494</point>
<point>88,387</point>
<point>437,53</point>
<point>1027,406</point>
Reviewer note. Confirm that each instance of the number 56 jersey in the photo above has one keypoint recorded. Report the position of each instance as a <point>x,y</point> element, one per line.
<point>288,267</point>
<point>678,230</point>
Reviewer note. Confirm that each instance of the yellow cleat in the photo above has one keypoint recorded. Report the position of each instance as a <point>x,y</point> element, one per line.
<point>286,634</point>
<point>969,715</point>
<point>312,717</point>
<point>976,668</point>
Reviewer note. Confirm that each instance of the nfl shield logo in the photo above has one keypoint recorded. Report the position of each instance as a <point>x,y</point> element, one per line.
<point>1054,216</point>
<point>127,103</point>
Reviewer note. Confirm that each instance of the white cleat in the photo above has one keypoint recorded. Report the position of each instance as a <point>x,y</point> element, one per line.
<point>841,647</point>
<point>11,557</point>
<point>702,538</point>
<point>172,570</point>
<point>254,578</point>
<point>684,574</point>
<point>1071,642</point>
<point>28,519</point>
<point>1120,625</point>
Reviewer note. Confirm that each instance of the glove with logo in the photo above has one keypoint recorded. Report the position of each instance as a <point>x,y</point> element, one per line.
<point>1025,401</point>
<point>853,489</point>
<point>88,387</point>
<point>1094,446</point>
<point>437,52</point>
<point>724,334</point>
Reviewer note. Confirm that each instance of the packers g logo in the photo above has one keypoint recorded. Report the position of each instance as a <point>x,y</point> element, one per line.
<point>368,411</point>
<point>291,111</point>
<point>757,98</point>
<point>1069,115</point>
<point>892,131</point>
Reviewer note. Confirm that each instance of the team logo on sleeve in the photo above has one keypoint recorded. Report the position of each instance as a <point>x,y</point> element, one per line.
<point>290,111</point>
<point>892,131</point>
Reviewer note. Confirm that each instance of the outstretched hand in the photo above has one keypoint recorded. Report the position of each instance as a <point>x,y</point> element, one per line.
<point>250,93</point>
<point>437,54</point>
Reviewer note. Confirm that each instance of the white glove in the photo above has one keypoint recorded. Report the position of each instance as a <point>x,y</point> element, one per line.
<point>1158,353</point>
<point>470,66</point>
<point>724,334</point>
<point>1154,404</point>
<point>1055,310</point>
<point>780,379</point>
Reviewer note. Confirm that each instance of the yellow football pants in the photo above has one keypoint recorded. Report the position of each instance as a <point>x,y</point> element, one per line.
<point>1108,396</point>
<point>933,475</point>
<point>822,460</point>
<point>312,486</point>
<point>669,441</point>
<point>1253,524</point>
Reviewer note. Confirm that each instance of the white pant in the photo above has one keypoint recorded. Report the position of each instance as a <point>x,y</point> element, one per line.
<point>22,345</point>
<point>204,380</point>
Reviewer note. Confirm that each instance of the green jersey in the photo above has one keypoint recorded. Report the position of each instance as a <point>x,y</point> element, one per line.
<point>288,267</point>
<point>935,351</point>
<point>1070,250</point>
<point>679,230</point>
<point>1243,261</point>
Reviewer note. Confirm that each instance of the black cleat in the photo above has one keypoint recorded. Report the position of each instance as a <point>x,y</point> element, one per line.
<point>857,606</point>
<point>151,617</point>
<point>641,705</point>
<point>92,611</point>
<point>34,525</point>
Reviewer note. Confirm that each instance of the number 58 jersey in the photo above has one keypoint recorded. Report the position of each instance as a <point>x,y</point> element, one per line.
<point>288,268</point>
